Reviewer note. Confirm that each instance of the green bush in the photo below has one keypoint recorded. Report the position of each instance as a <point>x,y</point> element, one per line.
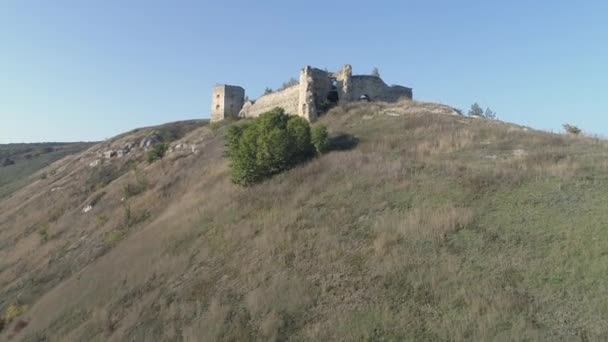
<point>320,138</point>
<point>158,152</point>
<point>272,143</point>
<point>571,129</point>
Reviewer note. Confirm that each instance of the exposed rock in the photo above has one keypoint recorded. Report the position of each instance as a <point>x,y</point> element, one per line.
<point>109,154</point>
<point>150,141</point>
<point>520,153</point>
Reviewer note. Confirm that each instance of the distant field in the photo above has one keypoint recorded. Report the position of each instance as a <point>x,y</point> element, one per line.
<point>29,158</point>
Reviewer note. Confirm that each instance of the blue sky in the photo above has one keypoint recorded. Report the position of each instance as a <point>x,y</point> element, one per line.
<point>88,70</point>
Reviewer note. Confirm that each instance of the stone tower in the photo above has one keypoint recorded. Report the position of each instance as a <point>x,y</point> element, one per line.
<point>226,102</point>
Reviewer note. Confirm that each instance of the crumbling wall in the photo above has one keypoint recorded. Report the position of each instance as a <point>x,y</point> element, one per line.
<point>344,83</point>
<point>307,97</point>
<point>321,85</point>
<point>287,99</point>
<point>397,92</point>
<point>377,90</point>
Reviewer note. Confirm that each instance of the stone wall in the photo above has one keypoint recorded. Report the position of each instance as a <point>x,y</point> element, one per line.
<point>226,101</point>
<point>287,99</point>
<point>322,82</point>
<point>377,90</point>
<point>344,79</point>
<point>306,98</point>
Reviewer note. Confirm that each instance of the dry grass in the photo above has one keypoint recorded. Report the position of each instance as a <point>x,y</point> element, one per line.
<point>419,224</point>
<point>431,227</point>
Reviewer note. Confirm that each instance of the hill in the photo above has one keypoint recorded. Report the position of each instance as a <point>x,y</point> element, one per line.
<point>419,225</point>
<point>19,161</point>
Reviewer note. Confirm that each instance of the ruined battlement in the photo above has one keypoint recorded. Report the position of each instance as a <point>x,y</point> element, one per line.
<point>315,91</point>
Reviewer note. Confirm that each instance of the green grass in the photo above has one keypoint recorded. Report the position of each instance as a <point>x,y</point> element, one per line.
<point>30,158</point>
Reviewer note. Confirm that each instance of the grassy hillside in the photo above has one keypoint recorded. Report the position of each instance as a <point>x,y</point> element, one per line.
<point>19,161</point>
<point>418,225</point>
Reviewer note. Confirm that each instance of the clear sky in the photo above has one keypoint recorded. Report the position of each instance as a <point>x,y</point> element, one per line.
<point>88,70</point>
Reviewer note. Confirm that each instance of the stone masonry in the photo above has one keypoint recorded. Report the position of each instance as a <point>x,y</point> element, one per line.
<point>315,91</point>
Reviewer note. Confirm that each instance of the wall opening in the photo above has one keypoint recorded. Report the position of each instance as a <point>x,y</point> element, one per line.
<point>332,97</point>
<point>365,98</point>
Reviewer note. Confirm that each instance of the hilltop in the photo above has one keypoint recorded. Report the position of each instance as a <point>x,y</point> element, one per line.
<point>419,224</point>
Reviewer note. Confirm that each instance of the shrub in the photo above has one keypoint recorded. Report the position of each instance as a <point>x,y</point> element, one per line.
<point>299,130</point>
<point>158,152</point>
<point>320,138</point>
<point>272,143</point>
<point>13,311</point>
<point>571,129</point>
<point>43,231</point>
<point>7,162</point>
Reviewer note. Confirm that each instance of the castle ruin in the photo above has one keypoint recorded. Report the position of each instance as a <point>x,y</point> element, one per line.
<point>316,90</point>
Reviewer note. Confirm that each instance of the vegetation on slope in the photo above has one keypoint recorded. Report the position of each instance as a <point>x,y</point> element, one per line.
<point>424,226</point>
<point>19,161</point>
<point>270,144</point>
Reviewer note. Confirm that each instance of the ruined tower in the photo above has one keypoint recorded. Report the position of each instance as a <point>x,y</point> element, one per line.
<point>226,102</point>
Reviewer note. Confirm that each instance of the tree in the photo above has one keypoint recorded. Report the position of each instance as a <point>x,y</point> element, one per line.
<point>272,143</point>
<point>299,130</point>
<point>489,114</point>
<point>375,72</point>
<point>476,110</point>
<point>571,129</point>
<point>320,138</point>
<point>267,91</point>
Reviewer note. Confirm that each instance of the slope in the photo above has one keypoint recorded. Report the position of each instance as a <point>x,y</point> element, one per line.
<point>19,161</point>
<point>418,225</point>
